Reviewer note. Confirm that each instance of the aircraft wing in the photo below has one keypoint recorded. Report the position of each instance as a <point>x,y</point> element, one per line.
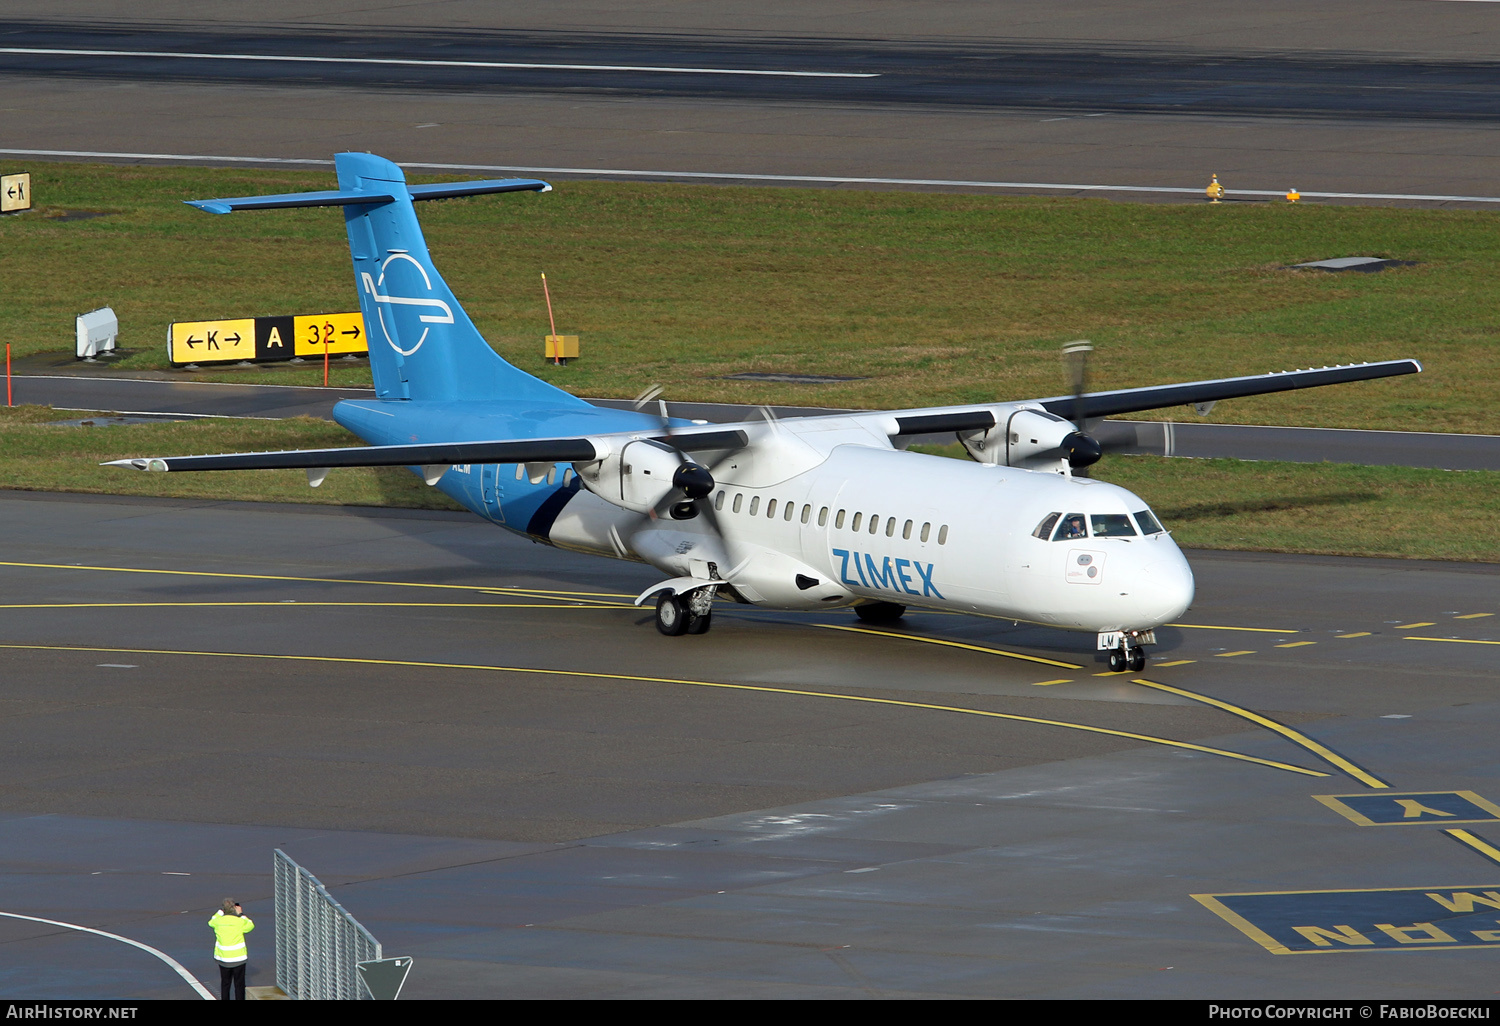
<point>1155,397</point>
<point>529,450</point>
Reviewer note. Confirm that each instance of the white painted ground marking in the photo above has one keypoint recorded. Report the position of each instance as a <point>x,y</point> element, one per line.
<point>189,977</point>
<point>729,176</point>
<point>32,51</point>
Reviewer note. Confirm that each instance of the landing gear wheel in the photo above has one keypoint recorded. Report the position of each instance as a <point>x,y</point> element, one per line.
<point>700,624</point>
<point>671,616</point>
<point>1117,660</point>
<point>1136,660</point>
<point>880,612</point>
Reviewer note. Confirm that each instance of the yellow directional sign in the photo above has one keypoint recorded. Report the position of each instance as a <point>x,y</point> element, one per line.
<point>334,333</point>
<point>211,341</point>
<point>266,339</point>
<point>15,193</point>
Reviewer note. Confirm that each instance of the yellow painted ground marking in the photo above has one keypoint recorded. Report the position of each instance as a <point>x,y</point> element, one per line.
<point>1479,844</point>
<point>1296,737</point>
<point>1046,683</point>
<point>1410,626</point>
<point>292,604</point>
<point>1176,662</point>
<point>1472,616</point>
<point>1215,627</point>
<point>762,689</point>
<point>1356,634</point>
<point>1296,644</point>
<point>1454,641</point>
<point>951,644</point>
<point>490,589</point>
<point>1231,655</point>
<point>1112,673</point>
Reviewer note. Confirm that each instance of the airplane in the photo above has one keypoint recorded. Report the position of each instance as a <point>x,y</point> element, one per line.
<point>806,513</point>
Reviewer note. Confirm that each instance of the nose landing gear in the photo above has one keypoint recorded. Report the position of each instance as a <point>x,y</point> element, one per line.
<point>1127,649</point>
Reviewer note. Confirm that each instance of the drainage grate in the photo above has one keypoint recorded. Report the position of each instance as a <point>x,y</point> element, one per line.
<point>1368,265</point>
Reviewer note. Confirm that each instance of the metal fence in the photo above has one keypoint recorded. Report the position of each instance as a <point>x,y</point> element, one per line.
<point>318,943</point>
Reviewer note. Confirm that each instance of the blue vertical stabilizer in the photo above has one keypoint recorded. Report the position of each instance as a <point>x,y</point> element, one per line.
<point>422,344</point>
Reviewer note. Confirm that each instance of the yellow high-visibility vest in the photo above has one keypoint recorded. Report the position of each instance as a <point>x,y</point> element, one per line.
<point>229,933</point>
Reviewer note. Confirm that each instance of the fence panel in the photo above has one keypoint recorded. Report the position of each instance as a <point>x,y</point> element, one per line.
<point>318,943</point>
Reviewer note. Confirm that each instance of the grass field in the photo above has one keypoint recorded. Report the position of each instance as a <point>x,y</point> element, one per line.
<point>931,298</point>
<point>1325,508</point>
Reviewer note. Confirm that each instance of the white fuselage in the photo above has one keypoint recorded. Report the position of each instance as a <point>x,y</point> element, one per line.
<point>823,513</point>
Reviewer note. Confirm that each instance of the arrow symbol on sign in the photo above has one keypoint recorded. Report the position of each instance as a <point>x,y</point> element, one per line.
<point>352,331</point>
<point>11,191</point>
<point>232,338</point>
<point>191,341</point>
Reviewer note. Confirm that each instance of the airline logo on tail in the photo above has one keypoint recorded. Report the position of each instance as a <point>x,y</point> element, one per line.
<point>373,286</point>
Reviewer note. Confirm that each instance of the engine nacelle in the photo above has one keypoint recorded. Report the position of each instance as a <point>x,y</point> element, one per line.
<point>641,475</point>
<point>1027,438</point>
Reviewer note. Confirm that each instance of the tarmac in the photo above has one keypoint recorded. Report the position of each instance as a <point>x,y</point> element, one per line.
<point>503,770</point>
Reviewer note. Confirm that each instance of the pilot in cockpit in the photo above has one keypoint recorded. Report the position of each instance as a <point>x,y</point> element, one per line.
<point>1073,527</point>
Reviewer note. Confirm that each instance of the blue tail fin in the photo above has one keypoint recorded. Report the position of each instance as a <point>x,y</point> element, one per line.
<point>422,344</point>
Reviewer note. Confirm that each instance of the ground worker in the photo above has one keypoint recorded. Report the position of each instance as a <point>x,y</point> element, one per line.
<point>230,924</point>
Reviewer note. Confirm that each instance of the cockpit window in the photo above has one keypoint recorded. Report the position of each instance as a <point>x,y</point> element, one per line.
<point>1149,524</point>
<point>1044,529</point>
<point>1113,525</point>
<point>1073,526</point>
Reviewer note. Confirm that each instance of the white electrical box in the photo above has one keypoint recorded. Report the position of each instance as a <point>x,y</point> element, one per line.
<point>96,333</point>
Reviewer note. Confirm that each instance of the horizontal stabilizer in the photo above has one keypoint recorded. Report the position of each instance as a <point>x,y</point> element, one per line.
<point>344,198</point>
<point>530,450</point>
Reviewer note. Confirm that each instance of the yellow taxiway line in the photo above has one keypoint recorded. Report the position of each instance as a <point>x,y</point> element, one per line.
<point>1322,752</point>
<point>317,580</point>
<point>758,688</point>
<point>1479,844</point>
<point>951,644</point>
<point>1455,641</point>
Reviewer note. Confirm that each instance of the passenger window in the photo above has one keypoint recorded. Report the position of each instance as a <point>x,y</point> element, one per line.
<point>1044,529</point>
<point>1112,525</point>
<point>552,475</point>
<point>838,521</point>
<point>874,523</point>
<point>568,477</point>
<point>823,517</point>
<point>855,526</point>
<point>926,530</point>
<point>719,501</point>
<point>906,531</point>
<point>770,508</point>
<point>1149,524</point>
<point>890,528</point>
<point>754,504</point>
<point>943,535</point>
<point>1072,527</point>
<point>791,509</point>
<point>739,497</point>
<point>521,471</point>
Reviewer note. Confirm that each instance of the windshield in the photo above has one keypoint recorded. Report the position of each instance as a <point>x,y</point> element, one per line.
<point>1113,525</point>
<point>1149,523</point>
<point>1073,526</point>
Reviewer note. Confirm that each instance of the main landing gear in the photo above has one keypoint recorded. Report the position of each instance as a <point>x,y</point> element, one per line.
<point>689,613</point>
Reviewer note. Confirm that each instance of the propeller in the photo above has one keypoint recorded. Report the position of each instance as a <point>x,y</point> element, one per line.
<point>691,480</point>
<point>1081,448</point>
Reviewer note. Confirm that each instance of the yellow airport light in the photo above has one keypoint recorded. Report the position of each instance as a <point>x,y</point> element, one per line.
<point>1215,191</point>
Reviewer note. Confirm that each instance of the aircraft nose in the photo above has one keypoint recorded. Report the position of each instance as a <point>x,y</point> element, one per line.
<point>1168,588</point>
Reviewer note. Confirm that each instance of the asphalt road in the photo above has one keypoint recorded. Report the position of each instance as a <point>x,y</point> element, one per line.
<point>1383,98</point>
<point>1233,441</point>
<point>978,74</point>
<point>504,771</point>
